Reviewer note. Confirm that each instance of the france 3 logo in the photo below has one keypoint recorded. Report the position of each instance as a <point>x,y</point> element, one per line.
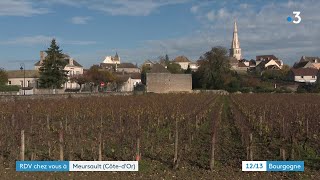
<point>297,18</point>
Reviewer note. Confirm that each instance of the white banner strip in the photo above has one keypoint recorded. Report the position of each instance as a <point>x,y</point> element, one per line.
<point>103,166</point>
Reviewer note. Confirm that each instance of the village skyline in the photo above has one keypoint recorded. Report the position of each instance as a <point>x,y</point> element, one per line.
<point>140,32</point>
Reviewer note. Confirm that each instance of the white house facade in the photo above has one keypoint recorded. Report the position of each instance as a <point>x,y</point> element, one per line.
<point>72,68</point>
<point>305,75</point>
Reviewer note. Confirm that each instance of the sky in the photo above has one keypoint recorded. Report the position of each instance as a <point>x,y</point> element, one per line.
<point>89,30</point>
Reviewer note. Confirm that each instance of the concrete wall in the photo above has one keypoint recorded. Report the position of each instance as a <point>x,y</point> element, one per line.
<point>166,82</point>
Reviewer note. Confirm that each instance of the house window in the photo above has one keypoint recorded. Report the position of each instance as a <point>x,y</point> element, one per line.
<point>313,77</point>
<point>9,82</point>
<point>21,83</point>
<point>28,85</point>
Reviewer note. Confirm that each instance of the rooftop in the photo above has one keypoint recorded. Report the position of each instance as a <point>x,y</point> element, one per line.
<point>20,74</point>
<point>305,72</point>
<point>181,59</point>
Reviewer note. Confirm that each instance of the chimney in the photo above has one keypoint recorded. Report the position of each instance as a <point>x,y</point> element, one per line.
<point>42,56</point>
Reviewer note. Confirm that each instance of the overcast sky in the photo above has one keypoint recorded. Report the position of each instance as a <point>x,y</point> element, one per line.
<point>138,30</point>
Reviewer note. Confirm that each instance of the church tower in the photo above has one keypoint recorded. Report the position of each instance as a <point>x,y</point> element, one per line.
<point>235,50</point>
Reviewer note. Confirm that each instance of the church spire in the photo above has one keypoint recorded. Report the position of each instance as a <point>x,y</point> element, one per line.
<point>235,50</point>
<point>235,40</point>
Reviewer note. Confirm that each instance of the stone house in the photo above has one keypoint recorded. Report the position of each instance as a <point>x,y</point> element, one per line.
<point>27,80</point>
<point>308,62</point>
<point>304,75</point>
<point>127,68</point>
<point>182,61</point>
<point>72,68</point>
<point>127,82</point>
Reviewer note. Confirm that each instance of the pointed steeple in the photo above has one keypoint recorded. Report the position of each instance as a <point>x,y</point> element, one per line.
<point>116,56</point>
<point>235,50</point>
<point>235,40</point>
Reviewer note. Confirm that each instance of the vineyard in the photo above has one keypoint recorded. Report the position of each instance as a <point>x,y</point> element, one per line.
<point>185,136</point>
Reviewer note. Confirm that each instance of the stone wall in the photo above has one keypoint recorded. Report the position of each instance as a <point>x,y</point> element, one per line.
<point>10,98</point>
<point>166,82</point>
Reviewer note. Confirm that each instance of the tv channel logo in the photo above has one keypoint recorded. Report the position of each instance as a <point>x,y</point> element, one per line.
<point>297,18</point>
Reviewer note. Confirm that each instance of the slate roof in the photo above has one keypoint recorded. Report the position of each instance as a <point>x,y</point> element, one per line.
<point>66,59</point>
<point>20,74</point>
<point>310,59</point>
<point>266,57</point>
<point>126,65</point>
<point>300,64</point>
<point>181,59</point>
<point>125,77</point>
<point>305,72</point>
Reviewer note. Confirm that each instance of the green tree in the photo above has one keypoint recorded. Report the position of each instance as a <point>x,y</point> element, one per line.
<point>3,77</point>
<point>214,69</point>
<point>167,58</point>
<point>80,79</point>
<point>95,75</point>
<point>52,73</point>
<point>174,68</point>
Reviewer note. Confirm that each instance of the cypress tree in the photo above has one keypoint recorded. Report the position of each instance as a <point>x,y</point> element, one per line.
<point>52,73</point>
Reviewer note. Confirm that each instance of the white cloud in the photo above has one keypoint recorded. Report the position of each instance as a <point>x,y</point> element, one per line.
<point>19,8</point>
<point>43,40</point>
<point>210,15</point>
<point>194,9</point>
<point>262,30</point>
<point>244,6</point>
<point>28,40</point>
<point>80,19</point>
<point>120,7</point>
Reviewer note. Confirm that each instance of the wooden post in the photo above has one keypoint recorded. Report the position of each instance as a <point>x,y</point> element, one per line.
<point>250,147</point>
<point>292,148</point>
<point>12,120</point>
<point>138,155</point>
<point>100,147</point>
<point>31,123</point>
<point>100,140</point>
<point>66,124</point>
<point>22,149</point>
<point>213,137</point>
<point>197,122</point>
<point>213,142</point>
<point>176,141</point>
<point>61,141</point>
<point>48,122</point>
<point>49,149</point>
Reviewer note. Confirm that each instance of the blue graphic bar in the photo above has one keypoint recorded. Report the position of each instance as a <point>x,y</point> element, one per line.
<point>44,166</point>
<point>291,166</point>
